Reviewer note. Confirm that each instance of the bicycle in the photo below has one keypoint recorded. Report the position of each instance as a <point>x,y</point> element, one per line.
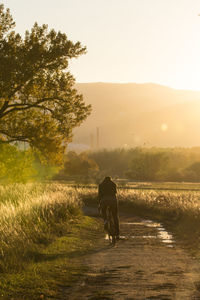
<point>110,226</point>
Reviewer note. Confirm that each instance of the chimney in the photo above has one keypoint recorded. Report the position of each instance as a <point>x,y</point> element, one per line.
<point>97,138</point>
<point>91,141</point>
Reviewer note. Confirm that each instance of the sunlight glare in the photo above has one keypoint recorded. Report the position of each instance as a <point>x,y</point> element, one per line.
<point>164,127</point>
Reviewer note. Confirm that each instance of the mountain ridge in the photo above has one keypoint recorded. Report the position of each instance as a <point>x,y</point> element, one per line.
<point>126,115</point>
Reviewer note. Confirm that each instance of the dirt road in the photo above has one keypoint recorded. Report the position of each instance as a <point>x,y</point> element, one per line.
<point>145,264</point>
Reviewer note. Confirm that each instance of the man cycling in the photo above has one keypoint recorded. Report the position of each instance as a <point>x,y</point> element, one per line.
<point>107,196</point>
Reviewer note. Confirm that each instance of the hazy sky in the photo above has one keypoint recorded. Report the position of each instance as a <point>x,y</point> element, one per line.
<point>127,40</point>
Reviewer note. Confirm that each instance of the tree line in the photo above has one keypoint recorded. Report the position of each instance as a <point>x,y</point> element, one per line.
<point>136,164</point>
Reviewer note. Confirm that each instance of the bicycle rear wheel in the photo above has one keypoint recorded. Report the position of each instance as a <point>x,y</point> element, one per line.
<point>111,227</point>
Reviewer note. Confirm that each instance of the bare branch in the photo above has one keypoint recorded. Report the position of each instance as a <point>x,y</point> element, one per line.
<point>17,139</point>
<point>4,107</point>
<point>12,138</point>
<point>26,108</point>
<point>36,103</point>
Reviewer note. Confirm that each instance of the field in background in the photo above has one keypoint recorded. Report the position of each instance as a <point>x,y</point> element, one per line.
<point>190,186</point>
<point>124,184</point>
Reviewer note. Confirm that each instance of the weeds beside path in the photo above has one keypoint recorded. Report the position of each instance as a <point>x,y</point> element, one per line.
<point>47,246</point>
<point>55,267</point>
<point>82,265</point>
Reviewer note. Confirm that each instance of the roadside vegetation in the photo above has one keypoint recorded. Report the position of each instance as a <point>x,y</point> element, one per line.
<point>33,215</point>
<point>163,203</point>
<point>178,210</point>
<point>43,231</point>
<point>53,268</point>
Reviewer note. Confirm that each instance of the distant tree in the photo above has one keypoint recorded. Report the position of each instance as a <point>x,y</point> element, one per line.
<point>192,173</point>
<point>147,166</point>
<point>113,162</point>
<point>38,103</point>
<point>78,165</point>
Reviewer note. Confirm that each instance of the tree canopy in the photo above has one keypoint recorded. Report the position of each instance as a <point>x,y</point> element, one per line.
<point>38,102</point>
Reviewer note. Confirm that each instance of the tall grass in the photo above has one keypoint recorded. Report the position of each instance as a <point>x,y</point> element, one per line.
<point>179,210</point>
<point>174,204</point>
<point>177,204</point>
<point>33,215</point>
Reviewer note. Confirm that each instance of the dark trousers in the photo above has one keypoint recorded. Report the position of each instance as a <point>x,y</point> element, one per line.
<point>114,209</point>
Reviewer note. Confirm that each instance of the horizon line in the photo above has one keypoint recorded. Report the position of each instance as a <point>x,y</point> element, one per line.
<point>139,83</point>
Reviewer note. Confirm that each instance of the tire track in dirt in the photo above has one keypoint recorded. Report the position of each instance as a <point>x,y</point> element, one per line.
<point>144,264</point>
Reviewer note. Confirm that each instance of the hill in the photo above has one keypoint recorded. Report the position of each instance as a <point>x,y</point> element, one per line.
<point>136,114</point>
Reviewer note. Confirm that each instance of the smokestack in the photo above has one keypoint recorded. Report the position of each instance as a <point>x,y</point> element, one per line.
<point>91,141</point>
<point>97,137</point>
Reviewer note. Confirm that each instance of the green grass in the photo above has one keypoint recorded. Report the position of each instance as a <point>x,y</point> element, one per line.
<point>43,232</point>
<point>32,216</point>
<point>43,235</point>
<point>54,268</point>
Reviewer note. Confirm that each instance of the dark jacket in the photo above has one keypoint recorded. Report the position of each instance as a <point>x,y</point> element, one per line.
<point>107,188</point>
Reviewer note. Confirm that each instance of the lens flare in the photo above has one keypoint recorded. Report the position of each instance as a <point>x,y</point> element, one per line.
<point>164,127</point>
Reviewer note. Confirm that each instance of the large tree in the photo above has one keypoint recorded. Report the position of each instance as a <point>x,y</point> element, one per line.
<point>38,102</point>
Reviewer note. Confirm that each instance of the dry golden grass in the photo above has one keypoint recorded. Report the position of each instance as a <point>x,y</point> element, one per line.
<point>32,215</point>
<point>178,210</point>
<point>35,214</point>
<point>176,202</point>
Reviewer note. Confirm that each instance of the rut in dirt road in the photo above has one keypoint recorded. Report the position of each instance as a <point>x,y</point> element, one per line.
<point>145,264</point>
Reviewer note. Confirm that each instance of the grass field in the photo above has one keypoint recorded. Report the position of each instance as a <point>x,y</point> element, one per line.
<point>175,201</point>
<point>189,186</point>
<point>42,231</point>
<point>36,222</point>
<point>53,267</point>
<point>163,186</point>
<point>178,209</point>
<point>35,214</point>
<point>32,215</point>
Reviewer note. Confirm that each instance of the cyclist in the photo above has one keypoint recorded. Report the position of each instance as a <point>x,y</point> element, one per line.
<point>107,196</point>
